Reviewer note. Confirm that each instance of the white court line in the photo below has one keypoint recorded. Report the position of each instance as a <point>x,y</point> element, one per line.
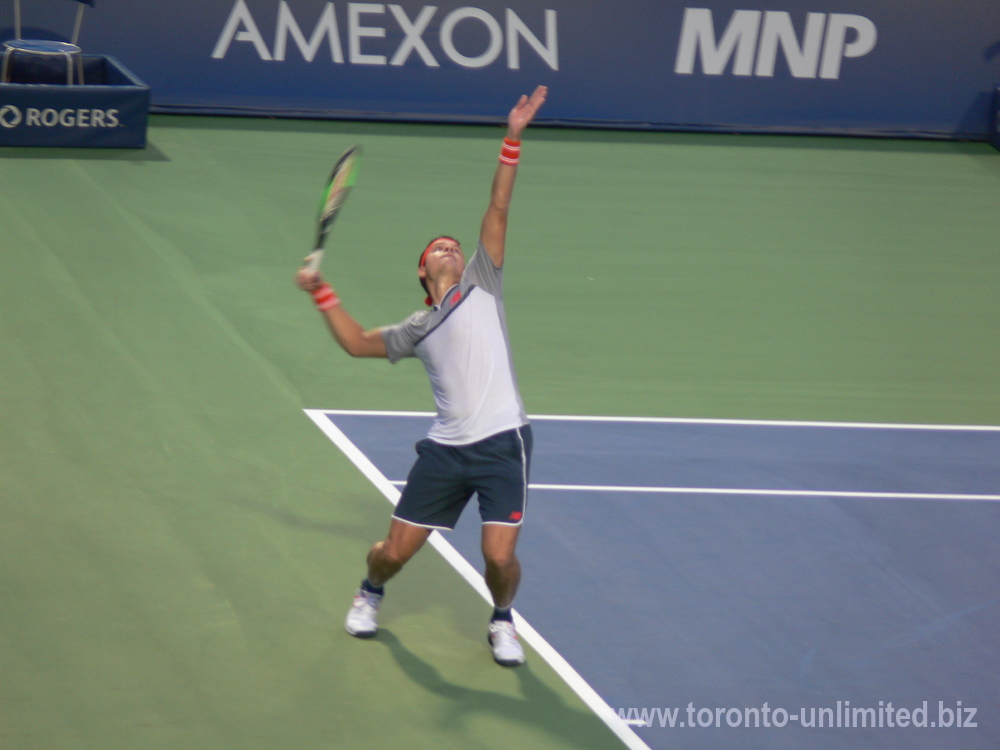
<point>737,422</point>
<point>531,636</point>
<point>781,493</point>
<point>694,420</point>
<point>741,491</point>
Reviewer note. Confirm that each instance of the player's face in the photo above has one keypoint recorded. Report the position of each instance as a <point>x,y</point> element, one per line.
<point>445,256</point>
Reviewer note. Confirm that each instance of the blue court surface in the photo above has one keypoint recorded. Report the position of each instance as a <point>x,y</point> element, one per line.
<point>726,584</point>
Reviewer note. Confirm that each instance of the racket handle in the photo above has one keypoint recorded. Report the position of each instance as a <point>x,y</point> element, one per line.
<point>313,260</point>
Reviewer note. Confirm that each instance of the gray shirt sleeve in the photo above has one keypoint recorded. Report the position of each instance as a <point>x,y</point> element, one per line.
<point>399,339</point>
<point>484,274</point>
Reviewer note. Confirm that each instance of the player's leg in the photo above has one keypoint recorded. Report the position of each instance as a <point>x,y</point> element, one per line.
<point>503,490</point>
<point>503,574</point>
<point>386,558</point>
<point>502,484</point>
<point>503,569</point>
<point>433,498</point>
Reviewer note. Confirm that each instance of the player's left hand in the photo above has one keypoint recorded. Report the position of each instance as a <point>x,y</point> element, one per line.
<point>524,112</point>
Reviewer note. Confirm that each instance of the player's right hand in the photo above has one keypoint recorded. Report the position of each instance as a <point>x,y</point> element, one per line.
<point>307,279</point>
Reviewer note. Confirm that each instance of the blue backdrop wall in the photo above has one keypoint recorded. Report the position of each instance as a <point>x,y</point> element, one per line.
<point>915,68</point>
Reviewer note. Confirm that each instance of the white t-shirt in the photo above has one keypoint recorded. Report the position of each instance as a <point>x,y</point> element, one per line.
<point>465,349</point>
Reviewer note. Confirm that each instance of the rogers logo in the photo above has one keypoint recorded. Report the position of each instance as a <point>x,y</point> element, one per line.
<point>10,116</point>
<point>32,117</point>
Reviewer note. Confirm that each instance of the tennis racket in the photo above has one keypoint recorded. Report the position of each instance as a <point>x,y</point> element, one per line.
<point>342,178</point>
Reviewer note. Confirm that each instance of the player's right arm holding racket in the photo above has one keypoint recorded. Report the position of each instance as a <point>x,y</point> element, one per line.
<point>350,334</point>
<point>354,339</point>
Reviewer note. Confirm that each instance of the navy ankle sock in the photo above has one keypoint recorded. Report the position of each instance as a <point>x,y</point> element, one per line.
<point>365,585</point>
<point>502,614</point>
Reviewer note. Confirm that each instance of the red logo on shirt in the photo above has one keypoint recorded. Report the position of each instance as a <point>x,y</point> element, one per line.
<point>456,297</point>
<point>515,516</point>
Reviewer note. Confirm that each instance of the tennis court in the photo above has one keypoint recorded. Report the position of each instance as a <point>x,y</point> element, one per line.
<point>689,586</point>
<point>179,543</point>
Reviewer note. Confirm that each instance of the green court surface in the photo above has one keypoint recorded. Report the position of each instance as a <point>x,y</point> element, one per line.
<point>179,543</point>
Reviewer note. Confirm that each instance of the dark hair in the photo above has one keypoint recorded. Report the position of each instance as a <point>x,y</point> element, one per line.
<point>420,260</point>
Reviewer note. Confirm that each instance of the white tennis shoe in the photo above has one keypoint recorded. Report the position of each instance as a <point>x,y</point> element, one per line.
<point>362,619</point>
<point>507,650</point>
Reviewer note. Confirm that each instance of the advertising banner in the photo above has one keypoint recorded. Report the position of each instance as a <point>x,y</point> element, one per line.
<point>919,68</point>
<point>111,111</point>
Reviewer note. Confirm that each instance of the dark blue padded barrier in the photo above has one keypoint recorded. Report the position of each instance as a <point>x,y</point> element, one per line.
<point>866,67</point>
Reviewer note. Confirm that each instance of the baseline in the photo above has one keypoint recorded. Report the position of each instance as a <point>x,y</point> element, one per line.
<point>689,420</point>
<point>750,492</point>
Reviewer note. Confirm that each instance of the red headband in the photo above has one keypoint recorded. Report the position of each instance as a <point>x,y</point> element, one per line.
<point>423,258</point>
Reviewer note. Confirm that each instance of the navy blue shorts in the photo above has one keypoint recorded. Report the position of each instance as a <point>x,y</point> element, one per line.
<point>444,477</point>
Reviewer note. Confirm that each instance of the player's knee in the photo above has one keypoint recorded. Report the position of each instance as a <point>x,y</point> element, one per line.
<point>394,555</point>
<point>500,559</point>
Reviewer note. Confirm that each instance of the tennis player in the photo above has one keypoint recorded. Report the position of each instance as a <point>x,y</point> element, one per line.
<point>480,441</point>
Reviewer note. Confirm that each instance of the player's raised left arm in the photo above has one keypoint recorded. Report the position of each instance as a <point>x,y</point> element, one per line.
<point>493,234</point>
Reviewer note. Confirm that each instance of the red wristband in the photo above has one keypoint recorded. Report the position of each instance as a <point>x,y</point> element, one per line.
<point>511,151</point>
<point>325,298</point>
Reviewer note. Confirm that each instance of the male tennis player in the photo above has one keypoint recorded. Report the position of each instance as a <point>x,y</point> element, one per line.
<point>480,441</point>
